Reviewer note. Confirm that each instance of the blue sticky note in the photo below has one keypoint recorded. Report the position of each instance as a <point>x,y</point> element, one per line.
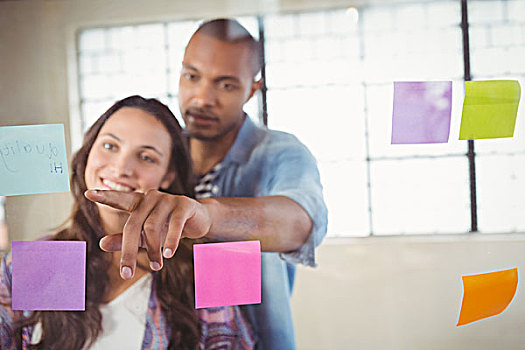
<point>33,160</point>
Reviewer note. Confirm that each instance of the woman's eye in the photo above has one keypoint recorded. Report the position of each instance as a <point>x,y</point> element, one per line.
<point>108,146</point>
<point>147,158</point>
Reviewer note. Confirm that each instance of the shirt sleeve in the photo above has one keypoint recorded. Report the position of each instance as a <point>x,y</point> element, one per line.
<point>293,173</point>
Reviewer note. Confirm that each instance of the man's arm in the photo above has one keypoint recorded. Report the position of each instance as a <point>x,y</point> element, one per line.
<point>160,220</point>
<point>278,222</point>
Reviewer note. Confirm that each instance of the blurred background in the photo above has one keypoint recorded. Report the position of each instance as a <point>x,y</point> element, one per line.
<point>405,221</point>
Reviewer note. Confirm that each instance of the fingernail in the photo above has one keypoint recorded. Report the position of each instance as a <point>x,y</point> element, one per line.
<point>95,193</point>
<point>167,253</point>
<point>154,265</point>
<point>126,272</point>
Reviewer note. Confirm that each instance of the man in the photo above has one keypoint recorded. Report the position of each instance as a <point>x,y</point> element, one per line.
<point>265,184</point>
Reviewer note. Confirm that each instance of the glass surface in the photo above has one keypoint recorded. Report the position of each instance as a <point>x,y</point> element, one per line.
<point>501,193</point>
<point>330,81</point>
<point>498,52</point>
<point>379,101</point>
<point>346,195</point>
<point>328,120</point>
<point>417,196</point>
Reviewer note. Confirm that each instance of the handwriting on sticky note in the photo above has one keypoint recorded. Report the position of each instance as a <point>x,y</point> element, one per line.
<point>421,112</point>
<point>33,160</point>
<point>48,275</point>
<point>227,273</point>
<point>487,294</point>
<point>490,109</point>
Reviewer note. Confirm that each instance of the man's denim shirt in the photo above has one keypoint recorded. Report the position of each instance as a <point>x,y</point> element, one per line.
<point>265,162</point>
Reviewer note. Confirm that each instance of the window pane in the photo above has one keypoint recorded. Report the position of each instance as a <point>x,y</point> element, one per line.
<point>251,25</point>
<point>173,104</point>
<point>501,193</point>
<point>328,120</point>
<point>252,108</point>
<point>279,26</point>
<point>420,196</point>
<point>150,36</point>
<point>346,195</point>
<point>92,110</point>
<point>498,52</point>
<point>93,40</point>
<point>179,34</point>
<point>120,39</point>
<point>379,107</point>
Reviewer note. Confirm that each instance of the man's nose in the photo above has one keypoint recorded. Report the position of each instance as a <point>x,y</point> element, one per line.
<point>204,95</point>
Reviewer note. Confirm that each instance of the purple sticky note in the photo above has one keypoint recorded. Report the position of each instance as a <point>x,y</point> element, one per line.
<point>421,112</point>
<point>49,275</point>
<point>227,273</point>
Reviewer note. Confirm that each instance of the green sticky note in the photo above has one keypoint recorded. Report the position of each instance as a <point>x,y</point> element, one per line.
<point>489,109</point>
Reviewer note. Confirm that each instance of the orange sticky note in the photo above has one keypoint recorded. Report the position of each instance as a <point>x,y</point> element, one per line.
<point>487,294</point>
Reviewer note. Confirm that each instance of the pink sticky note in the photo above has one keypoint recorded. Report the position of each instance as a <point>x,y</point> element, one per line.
<point>49,275</point>
<point>421,112</point>
<point>227,273</point>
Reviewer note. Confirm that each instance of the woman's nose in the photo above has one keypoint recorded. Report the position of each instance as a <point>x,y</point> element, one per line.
<point>123,165</point>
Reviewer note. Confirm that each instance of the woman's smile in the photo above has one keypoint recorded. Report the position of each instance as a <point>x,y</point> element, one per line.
<point>116,186</point>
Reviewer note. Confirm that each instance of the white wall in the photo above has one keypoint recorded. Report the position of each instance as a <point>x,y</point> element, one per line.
<point>403,293</point>
<point>33,90</point>
<point>372,293</point>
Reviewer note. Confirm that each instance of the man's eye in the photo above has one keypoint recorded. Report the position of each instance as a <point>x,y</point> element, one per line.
<point>189,76</point>
<point>229,87</point>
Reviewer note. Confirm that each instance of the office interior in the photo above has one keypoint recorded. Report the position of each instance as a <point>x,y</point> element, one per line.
<point>404,223</point>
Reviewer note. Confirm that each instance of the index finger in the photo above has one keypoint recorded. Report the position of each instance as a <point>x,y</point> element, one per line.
<point>127,201</point>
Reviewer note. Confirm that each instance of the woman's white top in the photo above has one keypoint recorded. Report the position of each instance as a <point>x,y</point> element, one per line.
<point>2,209</point>
<point>123,319</point>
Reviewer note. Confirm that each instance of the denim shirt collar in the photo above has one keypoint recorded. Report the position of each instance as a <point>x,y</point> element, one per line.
<point>247,139</point>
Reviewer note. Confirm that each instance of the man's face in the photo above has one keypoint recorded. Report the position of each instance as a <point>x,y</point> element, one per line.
<point>216,81</point>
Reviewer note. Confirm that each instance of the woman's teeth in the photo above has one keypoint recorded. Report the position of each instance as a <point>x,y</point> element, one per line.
<point>117,186</point>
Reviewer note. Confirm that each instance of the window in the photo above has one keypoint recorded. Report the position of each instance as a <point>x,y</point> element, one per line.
<point>329,82</point>
<point>144,59</point>
<point>497,47</point>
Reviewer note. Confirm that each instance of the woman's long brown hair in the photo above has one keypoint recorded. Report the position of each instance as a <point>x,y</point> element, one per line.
<point>173,284</point>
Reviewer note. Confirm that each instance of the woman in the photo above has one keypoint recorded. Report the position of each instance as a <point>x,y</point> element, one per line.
<point>137,145</point>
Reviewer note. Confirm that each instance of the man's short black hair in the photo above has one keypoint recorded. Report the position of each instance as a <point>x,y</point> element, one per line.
<point>230,31</point>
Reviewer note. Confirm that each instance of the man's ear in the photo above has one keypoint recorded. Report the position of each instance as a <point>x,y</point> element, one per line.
<point>256,85</point>
<point>168,180</point>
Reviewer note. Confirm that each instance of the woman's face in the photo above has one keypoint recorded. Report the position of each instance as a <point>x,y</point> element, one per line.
<point>130,153</point>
